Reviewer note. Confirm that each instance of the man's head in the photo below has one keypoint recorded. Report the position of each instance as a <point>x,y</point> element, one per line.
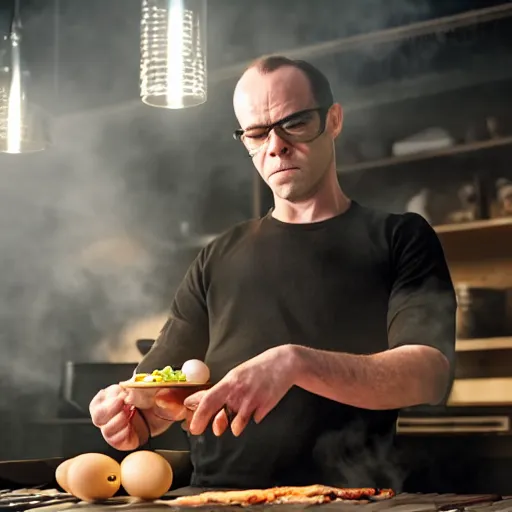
<point>276,89</point>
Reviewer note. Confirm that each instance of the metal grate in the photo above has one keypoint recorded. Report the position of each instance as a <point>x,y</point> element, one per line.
<point>52,500</point>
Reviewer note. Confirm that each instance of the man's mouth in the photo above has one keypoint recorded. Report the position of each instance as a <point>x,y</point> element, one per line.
<point>283,169</point>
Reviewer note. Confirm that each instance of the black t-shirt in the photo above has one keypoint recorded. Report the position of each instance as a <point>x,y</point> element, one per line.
<point>362,282</point>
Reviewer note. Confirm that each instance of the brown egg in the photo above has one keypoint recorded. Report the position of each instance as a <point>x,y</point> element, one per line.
<point>93,477</point>
<point>146,475</point>
<point>61,474</point>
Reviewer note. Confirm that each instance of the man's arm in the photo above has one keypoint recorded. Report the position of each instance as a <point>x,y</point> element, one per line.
<point>401,377</point>
<point>418,367</point>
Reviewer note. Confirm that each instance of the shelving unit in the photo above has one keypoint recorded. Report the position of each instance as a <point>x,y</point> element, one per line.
<point>498,225</point>
<point>427,155</point>
<point>477,345</point>
<point>480,254</point>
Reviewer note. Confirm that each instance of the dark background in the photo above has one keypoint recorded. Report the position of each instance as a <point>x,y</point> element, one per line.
<point>90,229</point>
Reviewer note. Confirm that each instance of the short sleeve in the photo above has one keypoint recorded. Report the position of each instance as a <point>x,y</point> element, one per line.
<point>185,334</point>
<point>422,305</point>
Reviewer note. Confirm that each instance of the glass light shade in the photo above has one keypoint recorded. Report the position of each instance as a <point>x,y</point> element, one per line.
<point>23,127</point>
<point>173,71</point>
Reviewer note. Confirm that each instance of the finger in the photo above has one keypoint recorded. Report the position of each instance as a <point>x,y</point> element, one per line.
<point>114,391</point>
<point>124,440</point>
<point>170,405</point>
<point>261,412</point>
<point>209,405</point>
<point>192,401</point>
<point>242,419</point>
<point>171,412</point>
<point>141,398</point>
<point>97,399</point>
<point>104,395</point>
<point>220,423</point>
<point>102,413</point>
<point>116,424</point>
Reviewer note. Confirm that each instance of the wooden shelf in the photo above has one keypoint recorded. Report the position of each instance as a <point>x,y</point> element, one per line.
<point>503,343</point>
<point>479,253</point>
<point>504,223</point>
<point>427,155</point>
<point>481,392</point>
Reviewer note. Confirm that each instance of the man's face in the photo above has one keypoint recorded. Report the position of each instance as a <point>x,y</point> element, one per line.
<point>293,170</point>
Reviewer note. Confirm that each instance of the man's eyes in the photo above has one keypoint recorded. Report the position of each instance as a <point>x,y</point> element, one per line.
<point>292,123</point>
<point>256,135</point>
<point>295,123</point>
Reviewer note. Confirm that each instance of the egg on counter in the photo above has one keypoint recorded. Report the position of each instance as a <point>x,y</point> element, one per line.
<point>61,474</point>
<point>93,477</point>
<point>196,371</point>
<point>146,475</point>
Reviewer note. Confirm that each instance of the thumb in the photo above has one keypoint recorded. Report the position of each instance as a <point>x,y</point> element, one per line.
<point>192,401</point>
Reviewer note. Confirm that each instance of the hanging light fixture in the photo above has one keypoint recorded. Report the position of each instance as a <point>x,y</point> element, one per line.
<point>173,53</point>
<point>22,125</point>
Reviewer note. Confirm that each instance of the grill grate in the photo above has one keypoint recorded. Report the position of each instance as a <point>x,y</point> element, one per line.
<point>52,500</point>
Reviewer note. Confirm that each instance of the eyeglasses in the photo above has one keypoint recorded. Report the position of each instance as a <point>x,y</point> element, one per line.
<point>303,126</point>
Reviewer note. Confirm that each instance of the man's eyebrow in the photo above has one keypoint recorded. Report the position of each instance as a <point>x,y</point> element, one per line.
<point>254,126</point>
<point>285,118</point>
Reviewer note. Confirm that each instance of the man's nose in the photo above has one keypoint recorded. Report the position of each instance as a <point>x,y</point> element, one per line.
<point>276,145</point>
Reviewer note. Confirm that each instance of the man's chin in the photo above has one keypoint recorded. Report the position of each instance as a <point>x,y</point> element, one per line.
<point>291,194</point>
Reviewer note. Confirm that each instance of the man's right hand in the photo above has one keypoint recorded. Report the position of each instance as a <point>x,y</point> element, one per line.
<point>111,412</point>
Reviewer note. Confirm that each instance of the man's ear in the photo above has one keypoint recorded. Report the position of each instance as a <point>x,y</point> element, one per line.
<point>335,120</point>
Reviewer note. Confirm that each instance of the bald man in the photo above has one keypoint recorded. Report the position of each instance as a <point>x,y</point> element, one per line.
<point>318,321</point>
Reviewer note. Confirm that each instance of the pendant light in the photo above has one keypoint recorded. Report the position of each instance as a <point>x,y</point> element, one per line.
<point>173,53</point>
<point>22,124</point>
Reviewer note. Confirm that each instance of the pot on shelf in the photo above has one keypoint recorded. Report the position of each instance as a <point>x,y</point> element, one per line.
<point>481,312</point>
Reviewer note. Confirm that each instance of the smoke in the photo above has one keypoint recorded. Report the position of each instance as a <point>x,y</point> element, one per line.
<point>271,27</point>
<point>76,254</point>
<point>349,458</point>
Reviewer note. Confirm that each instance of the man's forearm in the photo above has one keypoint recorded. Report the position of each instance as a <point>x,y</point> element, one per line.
<point>401,377</point>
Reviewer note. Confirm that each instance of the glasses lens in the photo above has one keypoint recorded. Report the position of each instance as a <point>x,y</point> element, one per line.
<point>302,127</point>
<point>254,138</point>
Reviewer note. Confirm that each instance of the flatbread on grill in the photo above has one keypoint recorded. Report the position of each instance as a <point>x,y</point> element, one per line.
<point>311,494</point>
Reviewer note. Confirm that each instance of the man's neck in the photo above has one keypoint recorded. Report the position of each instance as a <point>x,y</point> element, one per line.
<point>328,201</point>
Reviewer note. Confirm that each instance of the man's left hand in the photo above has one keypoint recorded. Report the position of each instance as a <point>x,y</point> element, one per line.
<point>250,390</point>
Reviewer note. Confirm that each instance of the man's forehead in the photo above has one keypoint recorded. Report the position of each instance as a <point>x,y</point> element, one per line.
<point>265,98</point>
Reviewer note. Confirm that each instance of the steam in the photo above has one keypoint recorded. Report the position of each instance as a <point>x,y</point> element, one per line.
<point>76,254</point>
<point>265,34</point>
<point>349,458</point>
